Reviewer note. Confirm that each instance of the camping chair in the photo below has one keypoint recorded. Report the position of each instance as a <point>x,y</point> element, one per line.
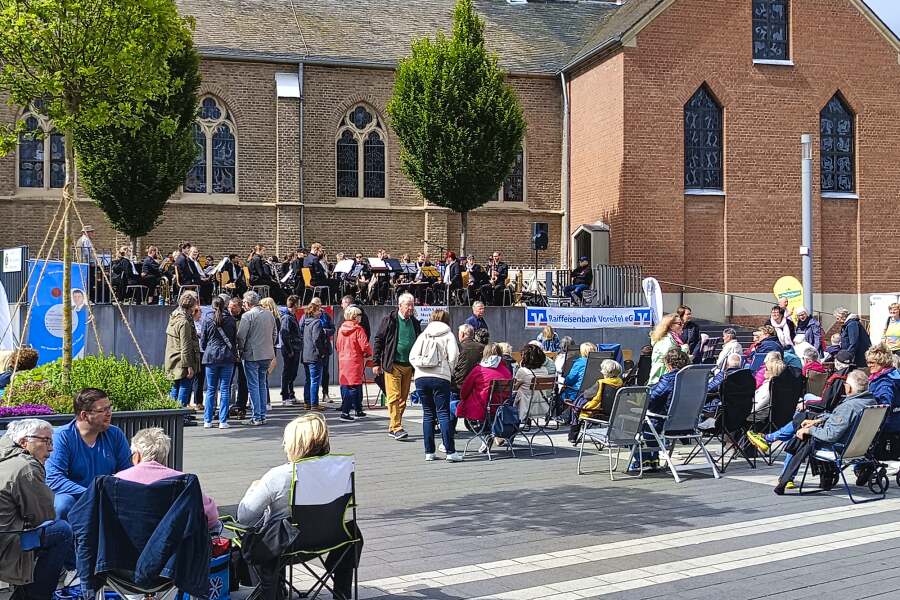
<point>785,392</point>
<point>852,453</point>
<point>736,395</point>
<point>623,430</point>
<point>537,414</point>
<point>688,398</point>
<point>815,382</point>
<point>708,350</point>
<point>500,393</point>
<point>323,494</point>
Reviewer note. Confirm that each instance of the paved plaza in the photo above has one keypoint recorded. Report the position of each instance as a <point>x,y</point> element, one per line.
<point>529,528</point>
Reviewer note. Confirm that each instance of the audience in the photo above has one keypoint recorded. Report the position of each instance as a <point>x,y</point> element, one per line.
<point>801,346</point>
<point>390,351</point>
<point>85,448</point>
<point>475,389</point>
<point>690,332</point>
<point>732,364</point>
<point>834,347</point>
<point>854,338</point>
<point>566,344</point>
<point>256,343</point>
<point>610,377</point>
<point>19,360</point>
<point>665,336</point>
<point>548,339</point>
<point>291,350</point>
<point>27,503</point>
<point>183,347</point>
<point>470,353</point>
<point>884,384</point>
<point>218,341</point>
<point>783,326</point>
<point>730,346</point>
<point>772,368</point>
<point>891,335</point>
<point>811,363</point>
<point>574,379</point>
<point>532,405</point>
<point>476,319</point>
<point>314,343</point>
<point>810,328</point>
<point>659,401</point>
<point>353,349</point>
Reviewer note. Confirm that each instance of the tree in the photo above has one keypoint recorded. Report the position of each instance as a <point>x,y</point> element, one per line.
<point>85,63</point>
<point>131,173</point>
<point>459,122</point>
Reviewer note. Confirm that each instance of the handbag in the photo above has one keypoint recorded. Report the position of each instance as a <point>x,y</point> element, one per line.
<point>264,544</point>
<point>237,354</point>
<point>506,422</point>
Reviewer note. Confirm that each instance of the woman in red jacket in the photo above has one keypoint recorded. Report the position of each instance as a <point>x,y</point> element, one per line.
<point>353,348</point>
<point>473,395</point>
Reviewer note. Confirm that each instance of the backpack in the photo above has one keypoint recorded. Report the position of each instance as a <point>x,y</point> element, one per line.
<point>506,422</point>
<point>429,354</point>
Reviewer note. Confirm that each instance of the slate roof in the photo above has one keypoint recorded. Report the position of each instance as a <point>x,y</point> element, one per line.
<point>537,37</point>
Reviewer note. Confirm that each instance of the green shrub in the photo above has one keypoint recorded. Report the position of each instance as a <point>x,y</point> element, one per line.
<point>129,386</point>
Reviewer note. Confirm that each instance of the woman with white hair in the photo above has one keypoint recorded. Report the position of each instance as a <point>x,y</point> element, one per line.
<point>27,503</point>
<point>773,367</point>
<point>854,337</point>
<point>149,454</point>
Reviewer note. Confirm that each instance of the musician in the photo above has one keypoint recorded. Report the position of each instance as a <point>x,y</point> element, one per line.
<point>299,284</point>
<point>151,274</point>
<point>451,280</point>
<point>123,273</point>
<point>492,292</point>
<point>199,276</point>
<point>478,277</point>
<point>380,286</point>
<point>182,268</point>
<point>581,279</point>
<point>260,274</point>
<point>356,282</point>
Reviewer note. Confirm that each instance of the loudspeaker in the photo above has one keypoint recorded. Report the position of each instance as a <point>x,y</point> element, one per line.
<point>540,236</point>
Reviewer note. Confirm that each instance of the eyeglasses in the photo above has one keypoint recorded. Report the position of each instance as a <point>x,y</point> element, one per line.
<point>677,322</point>
<point>106,410</point>
<point>46,440</point>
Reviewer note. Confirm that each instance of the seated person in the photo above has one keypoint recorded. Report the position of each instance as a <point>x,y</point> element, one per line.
<point>548,339</point>
<point>801,346</point>
<point>732,364</point>
<point>533,365</point>
<point>566,344</point>
<point>811,362</point>
<point>833,348</point>
<point>884,384</point>
<point>575,377</point>
<point>792,361</point>
<point>581,278</point>
<point>768,342</point>
<point>25,503</point>
<point>473,395</point>
<point>829,428</point>
<point>660,400</point>
<point>549,363</point>
<point>85,448</point>
<point>833,391</point>
<point>611,377</point>
<point>149,453</point>
<point>23,359</point>
<point>772,368</point>
<point>268,500</point>
<point>507,357</point>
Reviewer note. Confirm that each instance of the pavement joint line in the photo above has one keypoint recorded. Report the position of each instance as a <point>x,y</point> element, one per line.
<point>609,583</point>
<point>636,546</point>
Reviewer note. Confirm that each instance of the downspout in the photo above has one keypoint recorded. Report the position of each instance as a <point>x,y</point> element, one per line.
<point>565,175</point>
<point>300,136</point>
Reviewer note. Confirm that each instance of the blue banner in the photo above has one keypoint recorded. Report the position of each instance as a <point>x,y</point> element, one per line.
<point>587,317</point>
<point>45,329</point>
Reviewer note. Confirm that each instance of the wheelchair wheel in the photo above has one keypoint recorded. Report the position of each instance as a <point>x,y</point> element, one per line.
<point>879,482</point>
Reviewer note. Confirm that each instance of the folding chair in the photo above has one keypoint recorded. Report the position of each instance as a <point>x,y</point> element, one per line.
<point>623,430</point>
<point>688,398</point>
<point>137,290</point>
<point>645,362</point>
<point>709,350</point>
<point>500,393</point>
<point>592,374</point>
<point>815,382</point>
<point>537,414</point>
<point>323,492</point>
<point>736,394</point>
<point>785,392</point>
<point>854,452</point>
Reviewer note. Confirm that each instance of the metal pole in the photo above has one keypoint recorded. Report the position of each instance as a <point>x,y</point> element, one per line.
<point>806,202</point>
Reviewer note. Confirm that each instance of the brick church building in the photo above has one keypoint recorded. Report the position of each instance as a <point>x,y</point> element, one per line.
<point>663,133</point>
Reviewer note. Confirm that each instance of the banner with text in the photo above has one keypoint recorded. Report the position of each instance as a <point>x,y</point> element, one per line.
<point>424,313</point>
<point>587,318</point>
<point>45,330</point>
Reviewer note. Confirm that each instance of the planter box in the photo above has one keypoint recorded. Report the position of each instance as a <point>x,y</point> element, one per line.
<point>171,421</point>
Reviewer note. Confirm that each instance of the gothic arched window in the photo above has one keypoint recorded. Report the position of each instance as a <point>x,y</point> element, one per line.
<point>361,174</point>
<point>837,147</point>
<point>41,155</point>
<point>215,168</point>
<point>702,142</point>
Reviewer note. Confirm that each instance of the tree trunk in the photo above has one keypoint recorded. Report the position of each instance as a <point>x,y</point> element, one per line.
<point>68,195</point>
<point>463,232</point>
<point>136,246</point>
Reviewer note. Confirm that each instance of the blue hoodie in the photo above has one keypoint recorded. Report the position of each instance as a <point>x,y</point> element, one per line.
<point>886,389</point>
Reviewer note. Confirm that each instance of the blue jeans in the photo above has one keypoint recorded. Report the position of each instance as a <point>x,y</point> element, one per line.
<point>218,378</point>
<point>255,370</point>
<point>181,390</point>
<point>63,503</point>
<point>351,397</point>
<point>434,394</point>
<point>575,290</point>
<point>783,435</point>
<point>57,550</point>
<point>313,372</point>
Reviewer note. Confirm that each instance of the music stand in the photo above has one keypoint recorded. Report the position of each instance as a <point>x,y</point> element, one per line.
<point>430,272</point>
<point>376,264</point>
<point>410,269</point>
<point>394,265</point>
<point>345,266</point>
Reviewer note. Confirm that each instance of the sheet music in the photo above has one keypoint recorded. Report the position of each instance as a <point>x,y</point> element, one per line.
<point>377,263</point>
<point>221,264</point>
<point>344,266</point>
<point>287,277</point>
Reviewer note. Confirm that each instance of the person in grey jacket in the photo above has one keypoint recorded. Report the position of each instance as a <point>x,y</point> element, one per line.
<point>218,340</point>
<point>256,342</point>
<point>830,428</point>
<point>313,354</point>
<point>26,503</point>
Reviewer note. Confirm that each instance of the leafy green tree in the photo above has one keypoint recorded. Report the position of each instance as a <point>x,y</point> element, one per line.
<point>86,63</point>
<point>458,120</point>
<point>131,173</point>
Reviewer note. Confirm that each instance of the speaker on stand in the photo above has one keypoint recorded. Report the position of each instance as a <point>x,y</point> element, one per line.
<point>540,238</point>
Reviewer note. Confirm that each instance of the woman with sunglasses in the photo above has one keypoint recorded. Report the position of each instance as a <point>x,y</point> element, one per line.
<point>666,335</point>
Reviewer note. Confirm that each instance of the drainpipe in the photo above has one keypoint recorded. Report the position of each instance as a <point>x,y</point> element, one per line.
<point>300,81</point>
<point>564,233</point>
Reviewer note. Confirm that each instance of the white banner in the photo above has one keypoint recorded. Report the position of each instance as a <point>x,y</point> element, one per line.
<point>587,318</point>
<point>424,313</point>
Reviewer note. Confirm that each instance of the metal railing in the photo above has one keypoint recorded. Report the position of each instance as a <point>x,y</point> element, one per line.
<point>613,285</point>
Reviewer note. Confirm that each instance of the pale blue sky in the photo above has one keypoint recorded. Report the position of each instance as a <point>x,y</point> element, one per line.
<point>888,11</point>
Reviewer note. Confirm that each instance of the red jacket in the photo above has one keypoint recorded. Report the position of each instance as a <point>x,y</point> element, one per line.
<point>473,395</point>
<point>352,349</point>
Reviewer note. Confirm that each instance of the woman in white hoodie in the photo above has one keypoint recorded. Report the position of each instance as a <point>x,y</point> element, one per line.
<point>433,357</point>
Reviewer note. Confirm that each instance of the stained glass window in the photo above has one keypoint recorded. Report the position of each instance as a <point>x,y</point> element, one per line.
<point>770,29</point>
<point>361,174</point>
<point>837,147</point>
<point>215,168</point>
<point>514,186</point>
<point>702,142</point>
<point>36,144</point>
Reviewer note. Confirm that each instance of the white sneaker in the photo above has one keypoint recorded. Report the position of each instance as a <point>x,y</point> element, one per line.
<point>224,425</point>
<point>429,456</point>
<point>483,449</point>
<point>707,423</point>
<point>207,425</point>
<point>441,448</point>
<point>455,457</point>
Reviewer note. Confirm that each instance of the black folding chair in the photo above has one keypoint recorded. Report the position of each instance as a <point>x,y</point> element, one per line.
<point>623,430</point>
<point>785,392</point>
<point>736,396</point>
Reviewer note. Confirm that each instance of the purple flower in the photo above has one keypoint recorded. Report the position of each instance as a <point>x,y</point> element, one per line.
<point>25,410</point>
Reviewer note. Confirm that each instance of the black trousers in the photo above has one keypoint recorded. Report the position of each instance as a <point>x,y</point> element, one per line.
<point>241,402</point>
<point>290,366</point>
<point>269,585</point>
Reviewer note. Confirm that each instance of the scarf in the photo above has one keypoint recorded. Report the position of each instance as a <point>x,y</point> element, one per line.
<point>783,331</point>
<point>677,338</point>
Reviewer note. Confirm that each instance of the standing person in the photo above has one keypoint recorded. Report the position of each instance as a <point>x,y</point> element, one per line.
<point>665,336</point>
<point>182,348</point>
<point>891,335</point>
<point>353,349</point>
<point>291,348</point>
<point>582,277</point>
<point>26,503</point>
<point>854,338</point>
<point>256,343</point>
<point>548,339</point>
<point>328,330</point>
<point>84,252</point>
<point>268,303</point>
<point>476,319</point>
<point>390,351</point>
<point>811,330</point>
<point>85,448</point>
<point>433,357</point>
<point>314,341</point>
<point>348,301</point>
<point>218,339</point>
<point>690,332</point>
<point>235,309</point>
<point>784,327</point>
<point>151,274</point>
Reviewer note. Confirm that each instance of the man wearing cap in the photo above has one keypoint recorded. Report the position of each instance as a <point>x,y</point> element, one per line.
<point>581,279</point>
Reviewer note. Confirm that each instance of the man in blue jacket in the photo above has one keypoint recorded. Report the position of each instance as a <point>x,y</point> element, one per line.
<point>854,338</point>
<point>85,448</point>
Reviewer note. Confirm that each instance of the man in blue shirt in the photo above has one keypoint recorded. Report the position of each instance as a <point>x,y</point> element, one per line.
<point>85,448</point>
<point>477,319</point>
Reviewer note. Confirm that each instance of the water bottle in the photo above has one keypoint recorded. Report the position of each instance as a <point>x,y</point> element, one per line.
<point>160,300</point>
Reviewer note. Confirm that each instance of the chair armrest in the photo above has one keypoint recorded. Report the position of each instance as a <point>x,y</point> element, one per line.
<point>594,421</point>
<point>656,416</point>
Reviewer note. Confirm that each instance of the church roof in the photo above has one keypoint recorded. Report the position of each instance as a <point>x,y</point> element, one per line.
<point>530,38</point>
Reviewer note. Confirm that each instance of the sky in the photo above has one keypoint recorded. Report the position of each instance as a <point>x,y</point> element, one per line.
<point>888,11</point>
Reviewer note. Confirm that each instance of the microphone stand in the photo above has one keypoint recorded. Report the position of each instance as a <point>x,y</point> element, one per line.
<point>438,246</point>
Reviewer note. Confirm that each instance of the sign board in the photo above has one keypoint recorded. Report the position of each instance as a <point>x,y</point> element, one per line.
<point>653,294</point>
<point>537,317</point>
<point>45,328</point>
<point>788,287</point>
<point>12,260</point>
<point>878,314</point>
<point>424,313</point>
